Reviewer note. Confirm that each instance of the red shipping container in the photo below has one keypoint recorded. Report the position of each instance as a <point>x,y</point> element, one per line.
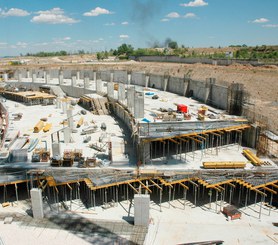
<point>182,108</point>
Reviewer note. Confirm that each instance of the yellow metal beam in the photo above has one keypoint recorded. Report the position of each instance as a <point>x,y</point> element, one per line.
<point>176,142</point>
<point>184,186</point>
<point>133,188</point>
<point>230,184</point>
<point>260,192</point>
<point>215,134</point>
<point>275,186</point>
<point>69,186</point>
<point>155,184</point>
<point>165,183</point>
<point>264,185</point>
<point>147,188</point>
<point>201,137</point>
<point>270,190</point>
<point>199,141</point>
<point>181,139</point>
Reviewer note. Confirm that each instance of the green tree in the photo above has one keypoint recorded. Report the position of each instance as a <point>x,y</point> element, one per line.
<point>125,49</point>
<point>173,45</point>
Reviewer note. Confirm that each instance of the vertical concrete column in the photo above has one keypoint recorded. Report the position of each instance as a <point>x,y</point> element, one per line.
<point>19,76</point>
<point>70,118</point>
<point>186,81</point>
<point>99,87</point>
<point>44,76</point>
<point>130,99</point>
<point>78,75</point>
<point>34,77</point>
<point>110,90</point>
<point>94,76</point>
<point>139,105</point>
<point>47,78</point>
<point>67,135</point>
<point>129,77</point>
<point>28,74</point>
<point>112,76</point>
<point>86,82</point>
<point>37,204</point>
<point>147,81</point>
<point>166,80</point>
<point>64,106</point>
<point>141,209</point>
<point>5,77</point>
<point>56,149</point>
<point>73,81</point>
<point>61,78</point>
<point>121,92</point>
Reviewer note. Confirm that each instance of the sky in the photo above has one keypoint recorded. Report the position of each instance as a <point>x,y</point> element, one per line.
<point>30,26</point>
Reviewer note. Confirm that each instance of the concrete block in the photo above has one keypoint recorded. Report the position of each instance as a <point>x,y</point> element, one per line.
<point>141,209</point>
<point>37,204</point>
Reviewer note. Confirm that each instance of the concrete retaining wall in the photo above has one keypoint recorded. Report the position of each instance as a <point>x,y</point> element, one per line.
<point>156,81</point>
<point>105,75</point>
<point>219,96</point>
<point>138,78</point>
<point>120,76</point>
<point>204,91</point>
<point>198,89</point>
<point>177,85</point>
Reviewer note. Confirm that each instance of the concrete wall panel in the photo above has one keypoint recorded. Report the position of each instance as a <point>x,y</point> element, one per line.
<point>198,89</point>
<point>120,76</point>
<point>156,81</point>
<point>219,95</point>
<point>105,76</point>
<point>176,85</point>
<point>138,78</point>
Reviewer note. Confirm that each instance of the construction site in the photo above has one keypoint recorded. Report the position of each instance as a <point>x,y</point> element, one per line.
<point>131,157</point>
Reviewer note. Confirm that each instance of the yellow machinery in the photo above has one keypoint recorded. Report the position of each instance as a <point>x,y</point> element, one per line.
<point>219,165</point>
<point>39,126</point>
<point>47,127</point>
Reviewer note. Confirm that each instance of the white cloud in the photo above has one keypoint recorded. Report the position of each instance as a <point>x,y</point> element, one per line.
<point>97,11</point>
<point>53,16</point>
<point>195,3</point>
<point>164,20</point>
<point>110,24</point>
<point>125,23</point>
<point>271,26</point>
<point>173,15</point>
<point>190,15</point>
<point>260,20</point>
<point>123,36</point>
<point>14,12</point>
<point>67,38</point>
<point>21,44</point>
